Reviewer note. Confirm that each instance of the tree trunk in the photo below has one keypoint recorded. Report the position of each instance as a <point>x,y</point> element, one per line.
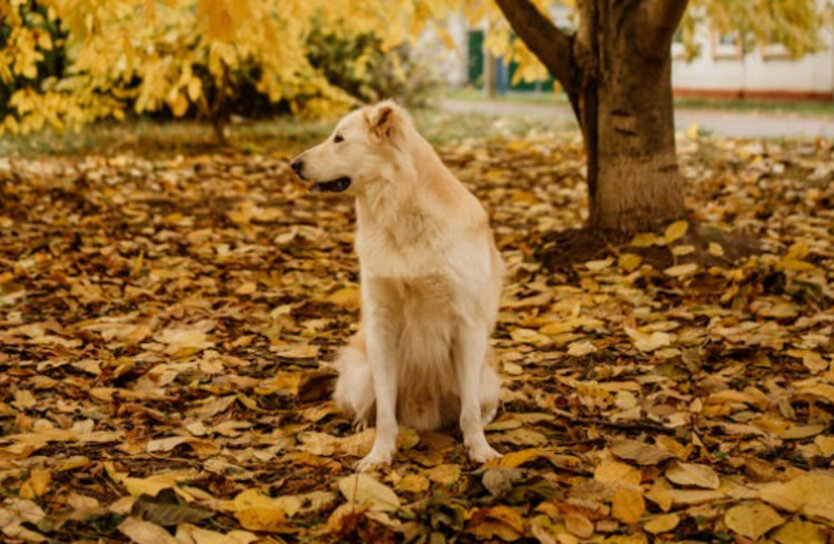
<point>616,70</point>
<point>637,185</point>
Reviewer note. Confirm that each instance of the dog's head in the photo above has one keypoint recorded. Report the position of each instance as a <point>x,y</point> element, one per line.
<point>361,149</point>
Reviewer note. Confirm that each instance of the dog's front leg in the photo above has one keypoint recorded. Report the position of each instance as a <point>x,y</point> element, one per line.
<point>381,340</point>
<point>470,356</point>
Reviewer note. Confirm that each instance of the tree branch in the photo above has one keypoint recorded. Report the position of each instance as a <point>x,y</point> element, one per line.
<point>663,17</point>
<point>550,45</point>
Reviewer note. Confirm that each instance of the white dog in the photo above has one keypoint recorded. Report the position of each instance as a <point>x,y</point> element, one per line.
<point>430,283</point>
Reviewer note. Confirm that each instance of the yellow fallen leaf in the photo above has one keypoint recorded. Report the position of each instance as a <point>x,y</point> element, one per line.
<point>630,261</point>
<point>627,505</point>
<point>258,512</point>
<point>610,471</point>
<point>444,474</point>
<point>809,494</point>
<point>660,494</point>
<point>347,297</point>
<point>515,459</point>
<point>412,483</point>
<point>825,444</point>
<point>752,519</point>
<point>145,532</point>
<point>715,249</point>
<point>362,489</point>
<point>247,288</point>
<point>799,532</point>
<point>675,231</point>
<point>579,525</point>
<point>581,348</point>
<point>661,524</point>
<point>647,342</point>
<point>36,485</point>
<point>681,270</point>
<point>680,251</point>
<point>645,239</point>
<point>191,534</point>
<point>595,266</point>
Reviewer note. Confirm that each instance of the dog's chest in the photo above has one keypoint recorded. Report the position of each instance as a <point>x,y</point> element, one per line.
<point>417,256</point>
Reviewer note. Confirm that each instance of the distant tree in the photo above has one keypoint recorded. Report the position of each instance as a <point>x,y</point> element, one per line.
<point>188,56</point>
<point>616,71</point>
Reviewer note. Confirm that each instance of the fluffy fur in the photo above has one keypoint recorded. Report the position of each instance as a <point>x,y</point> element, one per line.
<point>430,283</point>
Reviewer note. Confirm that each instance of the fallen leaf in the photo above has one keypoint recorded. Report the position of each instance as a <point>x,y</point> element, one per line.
<point>627,505</point>
<point>661,524</point>
<point>639,452</point>
<point>799,532</point>
<point>145,532</point>
<point>692,474</point>
<point>362,489</point>
<point>752,519</point>
<point>579,525</point>
<point>675,231</point>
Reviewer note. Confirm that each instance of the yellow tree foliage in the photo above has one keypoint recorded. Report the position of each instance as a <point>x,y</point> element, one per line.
<point>181,54</point>
<point>186,55</point>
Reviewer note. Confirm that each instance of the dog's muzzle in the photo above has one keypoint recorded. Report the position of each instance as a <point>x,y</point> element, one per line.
<point>335,186</point>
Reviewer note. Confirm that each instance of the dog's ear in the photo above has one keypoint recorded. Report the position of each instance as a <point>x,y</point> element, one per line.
<point>381,121</point>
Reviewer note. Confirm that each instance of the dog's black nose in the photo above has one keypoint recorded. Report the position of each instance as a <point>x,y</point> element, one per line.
<point>297,166</point>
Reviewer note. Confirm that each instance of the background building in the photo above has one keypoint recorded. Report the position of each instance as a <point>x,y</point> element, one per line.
<point>724,67</point>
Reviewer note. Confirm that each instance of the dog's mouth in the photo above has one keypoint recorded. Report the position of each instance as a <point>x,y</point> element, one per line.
<point>336,186</point>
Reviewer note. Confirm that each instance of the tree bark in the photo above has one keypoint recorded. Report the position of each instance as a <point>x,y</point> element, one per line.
<point>616,71</point>
<point>638,186</point>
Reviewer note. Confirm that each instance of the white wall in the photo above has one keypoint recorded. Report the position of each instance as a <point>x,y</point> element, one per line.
<point>754,72</point>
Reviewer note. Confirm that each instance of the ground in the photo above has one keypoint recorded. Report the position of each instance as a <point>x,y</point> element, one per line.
<point>167,319</point>
<point>736,119</point>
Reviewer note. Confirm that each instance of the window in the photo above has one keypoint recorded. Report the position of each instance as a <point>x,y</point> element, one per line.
<point>727,46</point>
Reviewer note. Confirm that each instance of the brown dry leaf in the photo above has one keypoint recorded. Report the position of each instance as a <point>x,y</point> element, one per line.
<point>627,505</point>
<point>752,519</point>
<point>639,452</point>
<point>692,474</point>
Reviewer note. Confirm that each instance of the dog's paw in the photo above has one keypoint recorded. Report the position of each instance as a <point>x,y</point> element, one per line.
<point>376,458</point>
<point>483,454</point>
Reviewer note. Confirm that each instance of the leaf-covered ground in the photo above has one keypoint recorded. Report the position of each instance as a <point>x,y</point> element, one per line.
<point>166,323</point>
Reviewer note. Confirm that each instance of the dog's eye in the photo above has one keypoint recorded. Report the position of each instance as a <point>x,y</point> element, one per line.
<point>338,138</point>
